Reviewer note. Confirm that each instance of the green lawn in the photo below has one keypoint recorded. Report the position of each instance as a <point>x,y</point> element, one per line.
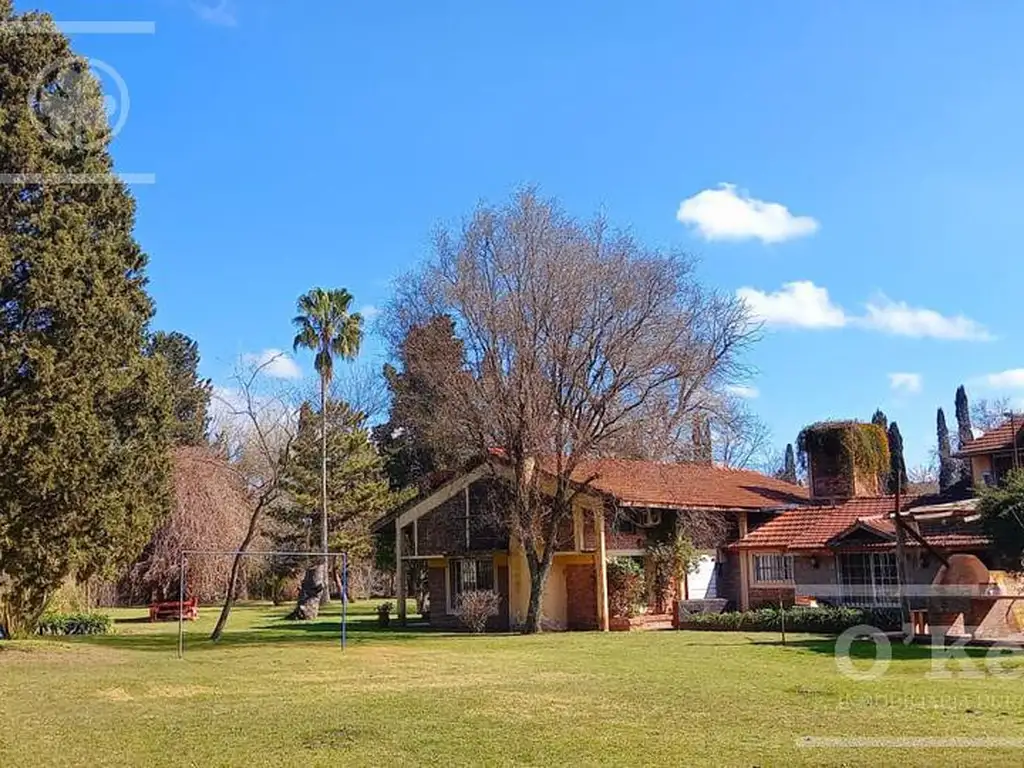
<point>278,694</point>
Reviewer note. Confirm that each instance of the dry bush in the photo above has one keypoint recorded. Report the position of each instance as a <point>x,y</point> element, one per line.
<point>476,607</point>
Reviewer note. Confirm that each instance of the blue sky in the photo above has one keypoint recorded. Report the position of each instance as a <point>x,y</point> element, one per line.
<point>311,144</point>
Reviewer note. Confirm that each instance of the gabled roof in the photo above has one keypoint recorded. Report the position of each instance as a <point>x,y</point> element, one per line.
<point>676,485</point>
<point>812,528</point>
<point>998,439</point>
<point>687,485</point>
<point>817,528</point>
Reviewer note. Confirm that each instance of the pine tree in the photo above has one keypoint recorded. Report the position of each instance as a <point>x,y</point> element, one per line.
<point>947,465</point>
<point>84,413</point>
<point>789,467</point>
<point>897,465</point>
<point>357,489</point>
<point>190,395</point>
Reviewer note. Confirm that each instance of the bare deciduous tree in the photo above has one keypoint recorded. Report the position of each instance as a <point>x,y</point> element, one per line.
<point>988,414</point>
<point>210,511</point>
<point>578,341</point>
<point>739,438</point>
<point>256,430</point>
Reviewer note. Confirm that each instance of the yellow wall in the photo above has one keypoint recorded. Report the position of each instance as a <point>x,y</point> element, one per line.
<point>979,466</point>
<point>553,604</point>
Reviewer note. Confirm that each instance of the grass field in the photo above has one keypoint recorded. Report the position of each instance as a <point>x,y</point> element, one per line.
<point>272,693</point>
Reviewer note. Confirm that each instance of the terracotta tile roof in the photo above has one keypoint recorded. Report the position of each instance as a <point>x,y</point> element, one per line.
<point>1000,438</point>
<point>688,486</point>
<point>814,527</point>
<point>824,527</point>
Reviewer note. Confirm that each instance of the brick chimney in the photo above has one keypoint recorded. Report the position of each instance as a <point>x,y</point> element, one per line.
<point>832,470</point>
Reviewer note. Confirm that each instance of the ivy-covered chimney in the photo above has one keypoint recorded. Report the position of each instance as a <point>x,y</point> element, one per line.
<point>844,459</point>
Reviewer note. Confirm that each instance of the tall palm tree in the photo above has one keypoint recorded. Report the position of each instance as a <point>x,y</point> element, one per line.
<point>325,326</point>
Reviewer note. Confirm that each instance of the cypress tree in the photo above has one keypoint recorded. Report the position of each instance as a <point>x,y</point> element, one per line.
<point>897,466</point>
<point>84,412</point>
<point>789,466</point>
<point>880,419</point>
<point>965,433</point>
<point>947,466</point>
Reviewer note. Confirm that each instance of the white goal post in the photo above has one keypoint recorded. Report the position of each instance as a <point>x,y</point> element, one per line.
<point>185,554</point>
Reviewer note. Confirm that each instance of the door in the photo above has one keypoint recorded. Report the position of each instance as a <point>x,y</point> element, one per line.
<point>703,584</point>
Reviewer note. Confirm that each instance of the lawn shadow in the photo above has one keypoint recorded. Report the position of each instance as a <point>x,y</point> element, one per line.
<point>270,628</point>
<point>868,649</point>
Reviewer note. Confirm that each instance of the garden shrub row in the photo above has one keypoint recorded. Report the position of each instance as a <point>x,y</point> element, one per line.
<point>75,624</point>
<point>822,620</point>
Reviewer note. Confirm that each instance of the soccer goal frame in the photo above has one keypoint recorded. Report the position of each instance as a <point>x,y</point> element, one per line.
<point>183,570</point>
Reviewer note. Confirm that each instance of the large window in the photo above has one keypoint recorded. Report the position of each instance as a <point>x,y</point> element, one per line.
<point>773,569</point>
<point>468,576</point>
<point>869,578</point>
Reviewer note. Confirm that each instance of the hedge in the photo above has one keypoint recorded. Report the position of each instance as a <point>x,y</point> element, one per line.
<point>823,620</point>
<point>75,624</point>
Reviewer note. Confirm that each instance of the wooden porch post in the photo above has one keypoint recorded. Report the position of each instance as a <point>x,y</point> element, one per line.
<point>399,571</point>
<point>744,567</point>
<point>602,572</point>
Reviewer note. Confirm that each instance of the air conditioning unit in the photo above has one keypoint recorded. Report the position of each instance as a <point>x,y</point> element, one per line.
<point>649,518</point>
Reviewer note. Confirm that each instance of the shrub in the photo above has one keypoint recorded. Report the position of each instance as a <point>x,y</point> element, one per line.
<point>75,624</point>
<point>824,620</point>
<point>384,615</point>
<point>625,586</point>
<point>475,608</point>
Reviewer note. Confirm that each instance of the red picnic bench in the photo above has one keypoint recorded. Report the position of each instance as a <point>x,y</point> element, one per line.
<point>174,609</point>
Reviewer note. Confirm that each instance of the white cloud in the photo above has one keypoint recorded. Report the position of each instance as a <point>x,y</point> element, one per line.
<point>745,391</point>
<point>900,319</point>
<point>1010,379</point>
<point>369,312</point>
<point>725,214</point>
<point>908,383</point>
<point>221,14</point>
<point>800,304</point>
<point>274,363</point>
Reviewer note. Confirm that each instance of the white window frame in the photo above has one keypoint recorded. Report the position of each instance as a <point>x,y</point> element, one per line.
<point>784,560</point>
<point>449,566</point>
<point>879,584</point>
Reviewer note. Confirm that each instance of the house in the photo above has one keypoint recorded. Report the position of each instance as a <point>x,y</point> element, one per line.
<point>995,453</point>
<point>841,548</point>
<point>844,551</point>
<point>834,541</point>
<point>456,531</point>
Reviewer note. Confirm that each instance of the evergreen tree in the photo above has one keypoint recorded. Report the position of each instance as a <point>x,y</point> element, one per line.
<point>415,441</point>
<point>897,466</point>
<point>947,465</point>
<point>789,467</point>
<point>965,433</point>
<point>190,395</point>
<point>357,489</point>
<point>84,412</point>
<point>880,419</point>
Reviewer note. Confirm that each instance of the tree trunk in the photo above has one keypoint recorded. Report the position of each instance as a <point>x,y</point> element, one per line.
<point>325,592</point>
<point>539,570</point>
<point>236,566</point>
<point>310,594</point>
